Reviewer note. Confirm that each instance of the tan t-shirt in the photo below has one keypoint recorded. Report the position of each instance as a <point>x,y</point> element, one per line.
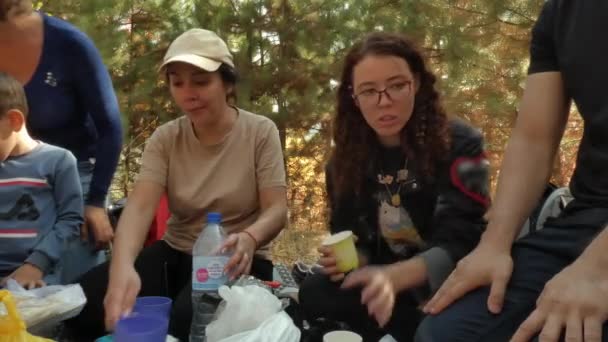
<point>222,178</point>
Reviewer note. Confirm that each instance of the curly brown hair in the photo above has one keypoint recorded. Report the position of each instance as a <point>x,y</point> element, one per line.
<point>425,137</point>
<point>14,6</point>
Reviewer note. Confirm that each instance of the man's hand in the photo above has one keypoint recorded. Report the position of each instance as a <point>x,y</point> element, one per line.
<point>28,276</point>
<point>485,265</point>
<point>378,292</point>
<point>97,222</point>
<point>574,300</point>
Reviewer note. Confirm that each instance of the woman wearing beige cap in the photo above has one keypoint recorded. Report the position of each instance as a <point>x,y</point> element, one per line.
<point>215,158</point>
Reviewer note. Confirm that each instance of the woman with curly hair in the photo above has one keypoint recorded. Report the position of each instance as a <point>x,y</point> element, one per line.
<point>410,183</point>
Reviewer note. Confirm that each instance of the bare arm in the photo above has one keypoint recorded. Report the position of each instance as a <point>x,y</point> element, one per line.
<point>273,204</point>
<point>529,156</point>
<point>525,170</point>
<point>124,283</point>
<point>135,221</point>
<point>415,269</point>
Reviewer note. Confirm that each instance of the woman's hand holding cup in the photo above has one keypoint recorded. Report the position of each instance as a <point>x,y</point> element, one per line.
<point>329,263</point>
<point>338,255</point>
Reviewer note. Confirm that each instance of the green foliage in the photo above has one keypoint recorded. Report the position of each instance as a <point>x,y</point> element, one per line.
<point>289,54</point>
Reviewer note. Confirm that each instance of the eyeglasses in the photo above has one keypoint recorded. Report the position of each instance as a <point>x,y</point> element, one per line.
<point>397,91</point>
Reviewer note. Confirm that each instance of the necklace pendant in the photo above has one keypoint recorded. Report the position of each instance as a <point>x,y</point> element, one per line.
<point>396,200</point>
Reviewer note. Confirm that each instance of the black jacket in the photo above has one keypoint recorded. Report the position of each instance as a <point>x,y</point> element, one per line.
<point>446,211</point>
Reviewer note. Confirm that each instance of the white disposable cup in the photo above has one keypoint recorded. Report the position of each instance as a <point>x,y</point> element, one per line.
<point>342,336</point>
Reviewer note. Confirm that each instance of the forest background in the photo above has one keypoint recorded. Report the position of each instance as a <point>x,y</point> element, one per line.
<point>289,55</point>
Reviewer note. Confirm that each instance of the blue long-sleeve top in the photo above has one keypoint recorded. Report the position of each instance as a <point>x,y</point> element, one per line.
<point>41,207</point>
<point>73,104</point>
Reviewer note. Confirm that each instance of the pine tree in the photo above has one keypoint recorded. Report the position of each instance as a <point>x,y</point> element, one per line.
<point>289,55</point>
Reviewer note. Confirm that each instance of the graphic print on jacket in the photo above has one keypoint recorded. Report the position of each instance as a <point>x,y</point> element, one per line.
<point>396,225</point>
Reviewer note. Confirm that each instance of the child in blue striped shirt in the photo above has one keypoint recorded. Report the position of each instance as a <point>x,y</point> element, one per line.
<point>41,204</point>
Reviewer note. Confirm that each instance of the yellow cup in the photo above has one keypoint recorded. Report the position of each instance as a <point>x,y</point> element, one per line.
<point>343,246</point>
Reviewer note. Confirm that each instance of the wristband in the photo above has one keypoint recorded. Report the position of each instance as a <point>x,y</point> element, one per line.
<point>255,241</point>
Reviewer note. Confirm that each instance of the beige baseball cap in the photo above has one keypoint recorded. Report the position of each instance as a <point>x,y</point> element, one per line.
<point>202,48</point>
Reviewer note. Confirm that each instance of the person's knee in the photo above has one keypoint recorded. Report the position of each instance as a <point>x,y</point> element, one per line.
<point>440,328</point>
<point>181,314</point>
<point>89,322</point>
<point>424,333</point>
<point>179,326</point>
<point>314,295</point>
<point>78,259</point>
<point>461,322</point>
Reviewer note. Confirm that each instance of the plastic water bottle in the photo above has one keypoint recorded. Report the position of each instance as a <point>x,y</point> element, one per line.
<point>207,275</point>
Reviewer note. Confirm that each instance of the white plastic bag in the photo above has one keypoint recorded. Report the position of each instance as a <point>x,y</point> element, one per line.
<point>251,314</point>
<point>277,328</point>
<point>46,306</point>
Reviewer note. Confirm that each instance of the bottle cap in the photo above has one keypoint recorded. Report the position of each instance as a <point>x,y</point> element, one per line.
<point>214,218</point>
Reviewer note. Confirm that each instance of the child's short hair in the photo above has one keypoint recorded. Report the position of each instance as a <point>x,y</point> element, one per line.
<point>12,95</point>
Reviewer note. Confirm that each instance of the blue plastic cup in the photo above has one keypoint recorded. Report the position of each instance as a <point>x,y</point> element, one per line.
<point>153,305</point>
<point>141,328</point>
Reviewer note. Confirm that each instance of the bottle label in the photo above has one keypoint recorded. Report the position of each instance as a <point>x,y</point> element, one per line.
<point>208,272</point>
